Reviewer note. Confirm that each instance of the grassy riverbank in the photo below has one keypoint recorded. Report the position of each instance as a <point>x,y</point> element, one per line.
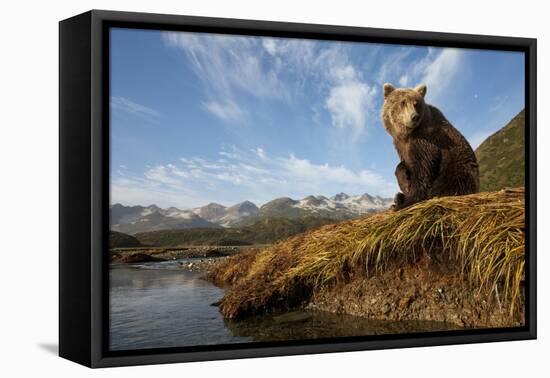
<point>455,259</point>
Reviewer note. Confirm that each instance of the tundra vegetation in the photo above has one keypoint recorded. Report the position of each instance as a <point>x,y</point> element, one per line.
<point>457,259</point>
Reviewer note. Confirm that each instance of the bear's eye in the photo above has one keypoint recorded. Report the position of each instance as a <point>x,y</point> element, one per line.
<point>403,103</point>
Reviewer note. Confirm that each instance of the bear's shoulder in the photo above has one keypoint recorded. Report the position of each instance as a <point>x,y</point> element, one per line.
<point>434,115</point>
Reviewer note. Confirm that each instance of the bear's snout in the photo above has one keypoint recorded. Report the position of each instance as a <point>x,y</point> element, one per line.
<point>414,121</point>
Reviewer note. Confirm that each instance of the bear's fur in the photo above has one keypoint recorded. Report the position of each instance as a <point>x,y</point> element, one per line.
<point>436,160</point>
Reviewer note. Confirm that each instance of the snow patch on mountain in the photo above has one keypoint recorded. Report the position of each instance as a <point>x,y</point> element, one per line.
<point>359,204</point>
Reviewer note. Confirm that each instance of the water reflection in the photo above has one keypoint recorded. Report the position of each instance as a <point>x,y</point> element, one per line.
<point>168,307</point>
<point>159,304</point>
<point>300,325</point>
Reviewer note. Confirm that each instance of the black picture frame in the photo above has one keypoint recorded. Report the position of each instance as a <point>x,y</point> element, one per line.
<point>84,186</point>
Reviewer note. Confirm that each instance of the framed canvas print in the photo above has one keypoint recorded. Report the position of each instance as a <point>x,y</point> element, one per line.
<point>233,188</point>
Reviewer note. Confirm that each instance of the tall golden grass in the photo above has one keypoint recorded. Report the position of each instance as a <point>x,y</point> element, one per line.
<point>483,233</point>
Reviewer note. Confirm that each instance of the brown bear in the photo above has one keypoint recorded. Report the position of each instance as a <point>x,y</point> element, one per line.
<point>436,160</point>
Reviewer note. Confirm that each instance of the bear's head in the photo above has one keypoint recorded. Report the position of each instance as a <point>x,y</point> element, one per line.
<point>403,109</point>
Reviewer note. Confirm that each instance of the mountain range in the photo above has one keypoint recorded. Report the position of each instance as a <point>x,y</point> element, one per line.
<point>135,219</point>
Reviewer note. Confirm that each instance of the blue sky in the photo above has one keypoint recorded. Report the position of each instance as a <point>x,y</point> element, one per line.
<point>199,118</point>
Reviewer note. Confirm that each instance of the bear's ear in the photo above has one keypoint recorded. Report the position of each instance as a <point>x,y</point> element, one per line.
<point>421,89</point>
<point>388,88</point>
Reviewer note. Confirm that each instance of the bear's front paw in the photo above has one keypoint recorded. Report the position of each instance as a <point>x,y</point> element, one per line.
<point>399,201</point>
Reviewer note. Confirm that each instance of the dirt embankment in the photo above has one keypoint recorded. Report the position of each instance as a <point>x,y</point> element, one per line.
<point>453,259</point>
<point>427,290</point>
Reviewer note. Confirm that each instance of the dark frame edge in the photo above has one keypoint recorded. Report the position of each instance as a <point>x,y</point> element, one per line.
<point>432,341</point>
<point>75,273</point>
<point>531,169</point>
<point>316,31</point>
<point>100,197</point>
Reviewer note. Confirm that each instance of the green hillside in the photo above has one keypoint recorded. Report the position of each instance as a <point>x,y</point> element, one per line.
<point>264,231</point>
<point>120,240</point>
<point>501,157</point>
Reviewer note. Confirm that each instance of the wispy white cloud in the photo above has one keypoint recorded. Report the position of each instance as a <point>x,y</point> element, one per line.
<point>229,66</point>
<point>348,98</point>
<point>270,45</point>
<point>124,104</point>
<point>227,110</point>
<point>395,66</point>
<point>296,56</point>
<point>278,69</point>
<point>166,175</point>
<point>404,80</point>
<point>440,70</point>
<point>351,100</point>
<point>139,191</point>
<point>239,175</point>
<point>349,104</point>
<point>498,102</point>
